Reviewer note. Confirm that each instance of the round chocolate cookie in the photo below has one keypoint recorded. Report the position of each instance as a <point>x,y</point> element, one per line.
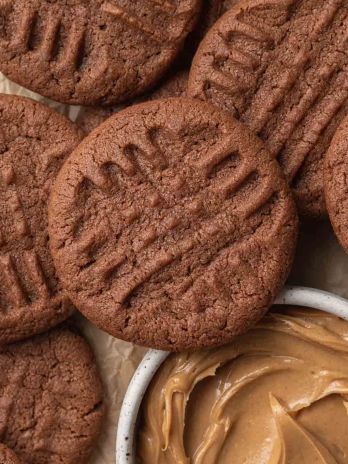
<point>92,52</point>
<point>51,407</point>
<point>7,456</point>
<point>281,67</point>
<point>34,141</point>
<point>171,226</point>
<point>91,117</point>
<point>336,183</point>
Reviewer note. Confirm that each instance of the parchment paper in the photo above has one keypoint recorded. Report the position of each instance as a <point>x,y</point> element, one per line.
<point>320,263</point>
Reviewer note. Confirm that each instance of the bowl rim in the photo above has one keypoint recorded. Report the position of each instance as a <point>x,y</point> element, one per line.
<point>290,295</point>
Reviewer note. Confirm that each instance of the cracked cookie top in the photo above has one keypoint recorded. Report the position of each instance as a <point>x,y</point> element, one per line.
<point>92,52</point>
<point>51,398</point>
<point>171,226</point>
<point>280,66</point>
<point>34,142</point>
<point>336,183</point>
<point>7,456</point>
<point>174,86</point>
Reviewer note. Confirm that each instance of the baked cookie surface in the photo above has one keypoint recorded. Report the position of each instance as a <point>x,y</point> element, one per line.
<point>92,52</point>
<point>336,183</point>
<point>174,86</point>
<point>281,67</point>
<point>210,12</point>
<point>7,456</point>
<point>171,226</point>
<point>228,4</point>
<point>51,398</point>
<point>34,141</point>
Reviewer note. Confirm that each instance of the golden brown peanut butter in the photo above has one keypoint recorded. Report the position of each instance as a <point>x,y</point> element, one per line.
<point>276,395</point>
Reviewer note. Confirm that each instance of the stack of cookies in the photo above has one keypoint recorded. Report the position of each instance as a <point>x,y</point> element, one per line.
<point>168,214</point>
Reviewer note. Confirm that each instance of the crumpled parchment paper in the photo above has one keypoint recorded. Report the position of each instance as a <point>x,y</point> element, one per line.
<point>320,263</point>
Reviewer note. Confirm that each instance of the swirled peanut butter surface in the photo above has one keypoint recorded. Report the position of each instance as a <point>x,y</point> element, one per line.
<point>277,395</point>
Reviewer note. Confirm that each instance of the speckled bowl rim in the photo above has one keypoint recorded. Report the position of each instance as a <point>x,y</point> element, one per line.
<point>301,296</point>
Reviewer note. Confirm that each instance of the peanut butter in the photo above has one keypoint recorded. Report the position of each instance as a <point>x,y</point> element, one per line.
<point>276,395</point>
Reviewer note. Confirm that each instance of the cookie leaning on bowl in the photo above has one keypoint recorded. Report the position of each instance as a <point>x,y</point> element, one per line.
<point>92,52</point>
<point>51,398</point>
<point>34,142</point>
<point>7,456</point>
<point>336,183</point>
<point>280,67</point>
<point>171,226</point>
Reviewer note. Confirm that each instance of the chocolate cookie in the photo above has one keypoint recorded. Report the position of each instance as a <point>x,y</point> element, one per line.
<point>7,456</point>
<point>171,226</point>
<point>281,67</point>
<point>174,86</point>
<point>34,141</point>
<point>336,183</point>
<point>91,117</point>
<point>51,406</point>
<point>211,11</point>
<point>92,52</point>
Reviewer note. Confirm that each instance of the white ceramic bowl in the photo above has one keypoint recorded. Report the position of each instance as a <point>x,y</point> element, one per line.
<point>296,296</point>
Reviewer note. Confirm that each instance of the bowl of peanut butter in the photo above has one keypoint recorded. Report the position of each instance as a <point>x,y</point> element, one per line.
<point>275,395</point>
